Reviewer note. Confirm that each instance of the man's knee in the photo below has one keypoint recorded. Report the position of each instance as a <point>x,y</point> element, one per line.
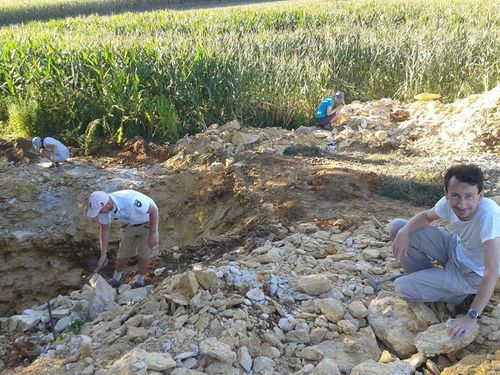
<point>402,290</point>
<point>394,226</point>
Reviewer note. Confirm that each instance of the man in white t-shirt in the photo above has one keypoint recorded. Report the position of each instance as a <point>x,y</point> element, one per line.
<point>470,254</point>
<point>51,149</point>
<point>139,217</point>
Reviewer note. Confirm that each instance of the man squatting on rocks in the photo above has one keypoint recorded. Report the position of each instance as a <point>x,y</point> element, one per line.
<point>138,215</point>
<point>470,254</point>
<point>329,110</point>
<point>51,149</point>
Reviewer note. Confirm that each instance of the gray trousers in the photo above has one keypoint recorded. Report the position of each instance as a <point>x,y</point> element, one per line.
<point>450,281</point>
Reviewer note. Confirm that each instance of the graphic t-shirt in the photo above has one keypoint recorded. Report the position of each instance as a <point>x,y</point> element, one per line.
<point>130,207</point>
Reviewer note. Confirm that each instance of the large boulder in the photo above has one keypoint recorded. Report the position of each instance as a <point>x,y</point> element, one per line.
<point>395,324</point>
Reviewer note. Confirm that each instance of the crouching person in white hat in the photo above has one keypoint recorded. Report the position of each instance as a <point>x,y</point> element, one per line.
<point>51,149</point>
<point>138,215</point>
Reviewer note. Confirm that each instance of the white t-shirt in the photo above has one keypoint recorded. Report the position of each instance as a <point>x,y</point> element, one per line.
<point>130,207</point>
<point>62,152</point>
<point>483,226</point>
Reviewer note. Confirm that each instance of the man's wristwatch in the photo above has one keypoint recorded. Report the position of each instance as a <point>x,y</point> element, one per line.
<point>473,314</point>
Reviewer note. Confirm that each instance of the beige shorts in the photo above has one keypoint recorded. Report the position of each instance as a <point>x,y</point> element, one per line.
<point>134,242</point>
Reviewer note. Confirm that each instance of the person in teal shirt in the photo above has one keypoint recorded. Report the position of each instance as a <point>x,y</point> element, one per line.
<point>329,110</point>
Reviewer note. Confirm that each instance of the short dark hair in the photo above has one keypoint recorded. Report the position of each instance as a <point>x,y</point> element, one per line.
<point>468,173</point>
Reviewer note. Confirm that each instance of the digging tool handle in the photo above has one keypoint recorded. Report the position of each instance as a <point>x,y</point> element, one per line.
<point>51,321</point>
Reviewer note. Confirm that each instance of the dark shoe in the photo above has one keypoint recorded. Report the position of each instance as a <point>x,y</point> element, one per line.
<point>115,284</point>
<point>137,285</point>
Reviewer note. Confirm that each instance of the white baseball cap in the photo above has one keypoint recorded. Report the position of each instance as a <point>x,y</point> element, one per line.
<point>97,200</point>
<point>37,143</point>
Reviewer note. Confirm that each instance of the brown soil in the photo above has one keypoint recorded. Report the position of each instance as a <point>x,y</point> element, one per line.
<point>208,215</point>
<point>273,188</point>
<point>18,150</point>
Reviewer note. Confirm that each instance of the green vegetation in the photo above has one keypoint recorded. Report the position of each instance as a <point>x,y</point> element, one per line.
<point>303,150</point>
<point>418,193</point>
<point>76,326</point>
<point>163,74</point>
<point>399,179</point>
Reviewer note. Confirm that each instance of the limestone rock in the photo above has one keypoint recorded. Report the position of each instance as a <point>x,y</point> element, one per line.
<point>326,367</point>
<point>23,322</point>
<point>314,285</point>
<point>331,308</point>
<point>185,371</point>
<point>159,361</point>
<point>358,309</point>
<point>395,324</point>
<point>102,296</point>
<point>350,350</point>
<point>475,364</point>
<point>435,340</point>
<point>136,332</point>
<point>207,279</point>
<point>244,359</point>
<point>132,295</point>
<point>262,363</point>
<point>132,363</point>
<point>188,284</point>
<point>243,139</point>
<point>62,324</point>
<point>218,350</point>
<point>86,347</point>
<point>375,368</point>
<point>255,294</point>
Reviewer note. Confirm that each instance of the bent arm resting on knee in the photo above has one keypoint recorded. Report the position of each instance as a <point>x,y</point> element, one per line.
<point>402,239</point>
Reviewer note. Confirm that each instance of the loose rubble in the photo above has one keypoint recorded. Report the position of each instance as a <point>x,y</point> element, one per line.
<point>251,315</point>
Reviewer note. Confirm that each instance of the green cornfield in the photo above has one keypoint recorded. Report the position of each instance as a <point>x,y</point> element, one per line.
<point>161,74</point>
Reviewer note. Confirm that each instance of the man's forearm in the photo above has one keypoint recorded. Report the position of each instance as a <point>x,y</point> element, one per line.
<point>418,221</point>
<point>491,258</point>
<point>484,292</point>
<point>153,223</point>
<point>104,239</point>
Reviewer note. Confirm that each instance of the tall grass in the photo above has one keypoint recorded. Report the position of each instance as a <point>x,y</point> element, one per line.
<point>163,74</point>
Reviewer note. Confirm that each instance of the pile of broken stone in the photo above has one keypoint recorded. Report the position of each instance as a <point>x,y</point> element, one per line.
<point>469,125</point>
<point>299,304</point>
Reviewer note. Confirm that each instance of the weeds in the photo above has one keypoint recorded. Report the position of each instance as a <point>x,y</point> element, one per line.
<point>303,150</point>
<point>422,194</point>
<point>76,326</point>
